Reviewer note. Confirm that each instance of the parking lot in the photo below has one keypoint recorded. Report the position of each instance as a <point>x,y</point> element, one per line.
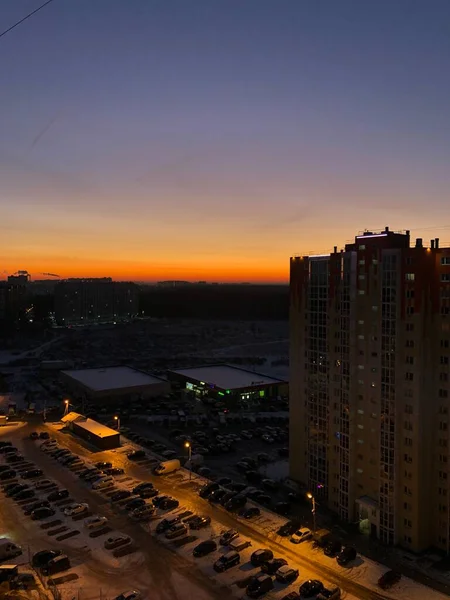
<point>94,524</point>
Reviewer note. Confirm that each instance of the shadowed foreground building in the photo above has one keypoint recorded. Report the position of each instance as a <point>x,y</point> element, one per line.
<point>369,385</point>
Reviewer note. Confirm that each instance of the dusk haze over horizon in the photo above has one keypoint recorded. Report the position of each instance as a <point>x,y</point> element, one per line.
<point>211,140</point>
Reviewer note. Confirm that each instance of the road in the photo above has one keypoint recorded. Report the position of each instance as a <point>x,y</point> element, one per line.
<point>159,559</point>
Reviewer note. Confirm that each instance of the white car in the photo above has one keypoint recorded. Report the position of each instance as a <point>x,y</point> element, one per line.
<point>102,483</point>
<point>95,522</point>
<point>301,535</point>
<point>131,595</point>
<point>44,484</point>
<point>76,509</point>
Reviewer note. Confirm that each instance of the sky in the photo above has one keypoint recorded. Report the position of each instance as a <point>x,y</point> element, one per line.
<point>213,139</point>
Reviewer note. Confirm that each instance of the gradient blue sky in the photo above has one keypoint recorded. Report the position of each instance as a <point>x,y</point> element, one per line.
<point>212,139</point>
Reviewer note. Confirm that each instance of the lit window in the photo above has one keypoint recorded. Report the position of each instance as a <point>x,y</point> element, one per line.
<point>410,276</point>
<point>361,292</point>
<point>445,260</point>
<point>359,470</point>
<point>361,367</point>
<point>360,322</point>
<point>360,412</point>
<point>360,441</point>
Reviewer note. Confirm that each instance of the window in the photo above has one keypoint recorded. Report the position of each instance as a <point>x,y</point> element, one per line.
<point>443,426</point>
<point>445,260</point>
<point>406,505</point>
<point>362,261</point>
<point>409,311</point>
<point>360,441</point>
<point>361,277</point>
<point>409,326</point>
<point>362,247</point>
<point>408,426</point>
<point>407,522</point>
<point>444,360</point>
<point>361,367</point>
<point>361,292</point>
<point>360,411</point>
<point>409,376</point>
<point>410,276</point>
<point>374,308</point>
<point>410,360</point>
<point>443,393</point>
<point>445,343</point>
<point>407,491</point>
<point>360,426</point>
<point>407,539</point>
<point>442,475</point>
<point>443,376</point>
<point>408,409</point>
<point>360,322</point>
<point>445,277</point>
<point>359,470</point>
<point>409,343</point>
<point>408,441</point>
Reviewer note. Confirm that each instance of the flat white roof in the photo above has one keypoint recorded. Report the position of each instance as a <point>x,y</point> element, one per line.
<point>227,377</point>
<point>111,378</point>
<point>96,428</point>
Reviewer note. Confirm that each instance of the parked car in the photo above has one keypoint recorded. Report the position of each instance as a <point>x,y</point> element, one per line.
<point>44,435</point>
<point>169,504</point>
<point>286,574</point>
<point>333,593</point>
<point>166,524</point>
<point>200,522</point>
<point>142,486</point>
<point>269,484</point>
<point>226,561</point>
<point>282,508</point>
<point>7,475</point>
<point>5,468</point>
<point>250,513</point>
<point>272,566</point>
<point>76,509</point>
<point>223,481</point>
<point>149,492</point>
<point>103,465</point>
<point>259,585</point>
<point>24,495</point>
<point>135,503</point>
<point>204,548</point>
<point>301,535</point>
<point>35,505</point>
<point>114,471</point>
<point>136,455</point>
<point>228,536</point>
<point>332,548</point>
<point>261,556</point>
<point>236,502</point>
<point>14,488</point>
<point>131,595</point>
<point>58,495</point>
<point>176,531</point>
<point>311,588</point>
<point>14,458</point>
<point>116,542</point>
<point>5,443</point>
<point>143,513</point>
<point>388,579</point>
<point>32,474</point>
<point>158,499</point>
<point>95,522</point>
<point>346,555</point>
<point>42,513</point>
<point>85,474</point>
<point>57,565</point>
<point>207,489</point>
<point>102,483</point>
<point>42,558</point>
<point>44,484</point>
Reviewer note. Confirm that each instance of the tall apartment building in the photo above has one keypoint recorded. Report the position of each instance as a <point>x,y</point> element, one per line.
<point>84,301</point>
<point>369,385</point>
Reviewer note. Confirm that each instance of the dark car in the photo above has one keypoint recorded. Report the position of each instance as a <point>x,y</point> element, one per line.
<point>289,528</point>
<point>8,449</point>
<point>204,548</point>
<point>57,565</point>
<point>4,444</point>
<point>103,465</point>
<point>237,487</point>
<point>250,513</point>
<point>259,585</point>
<point>271,566</point>
<point>42,513</point>
<point>114,471</point>
<point>136,455</point>
<point>227,497</point>
<point>44,435</point>
<point>228,536</point>
<point>346,555</point>
<point>42,558</point>
<point>169,504</point>
<point>149,492</point>
<point>58,495</point>
<point>226,561</point>
<point>14,458</point>
<point>332,548</point>
<point>85,472</point>
<point>34,435</point>
<point>207,489</point>
<point>32,474</point>
<point>68,460</point>
<point>236,502</point>
<point>311,588</point>
<point>217,495</point>
<point>7,475</point>
<point>389,579</point>
<point>39,504</point>
<point>142,486</point>
<point>166,524</point>
<point>286,574</point>
<point>121,495</point>
<point>261,556</point>
<point>24,495</point>
<point>13,488</point>
<point>253,476</point>
<point>224,481</point>
<point>200,522</point>
<point>5,467</point>
<point>158,499</point>
<point>135,503</point>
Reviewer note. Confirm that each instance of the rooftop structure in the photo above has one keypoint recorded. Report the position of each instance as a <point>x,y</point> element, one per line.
<point>94,428</point>
<point>227,377</point>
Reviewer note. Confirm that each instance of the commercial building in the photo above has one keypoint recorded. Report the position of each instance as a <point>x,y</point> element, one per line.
<point>229,383</point>
<point>98,435</point>
<point>85,301</point>
<point>113,383</point>
<point>369,385</point>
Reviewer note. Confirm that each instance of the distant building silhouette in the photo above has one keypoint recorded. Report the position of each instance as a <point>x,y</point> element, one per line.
<point>102,300</point>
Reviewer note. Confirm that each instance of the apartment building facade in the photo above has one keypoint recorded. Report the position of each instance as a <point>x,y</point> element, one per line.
<point>369,385</point>
<point>84,301</point>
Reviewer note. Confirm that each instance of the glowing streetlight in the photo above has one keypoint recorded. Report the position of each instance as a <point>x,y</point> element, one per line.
<point>189,447</point>
<point>66,407</point>
<point>116,418</point>
<point>313,509</point>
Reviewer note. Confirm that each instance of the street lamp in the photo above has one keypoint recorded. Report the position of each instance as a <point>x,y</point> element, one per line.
<point>313,509</point>
<point>189,447</point>
<point>66,407</point>
<point>116,418</point>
